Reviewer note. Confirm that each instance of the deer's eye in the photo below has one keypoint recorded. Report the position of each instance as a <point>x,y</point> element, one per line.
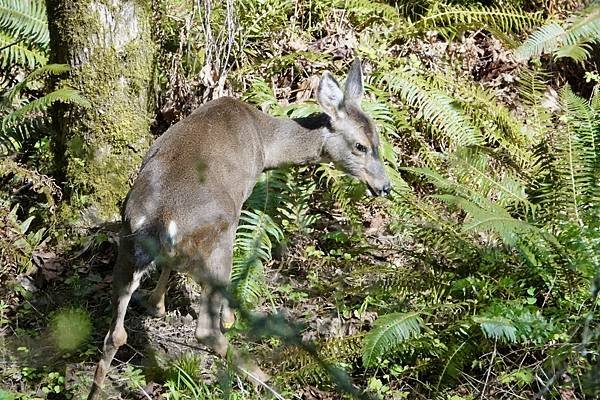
<point>360,148</point>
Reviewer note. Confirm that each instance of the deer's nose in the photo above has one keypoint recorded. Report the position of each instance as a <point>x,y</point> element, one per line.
<point>385,190</point>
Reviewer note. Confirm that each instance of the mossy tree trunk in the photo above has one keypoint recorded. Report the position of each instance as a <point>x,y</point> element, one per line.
<point>109,47</point>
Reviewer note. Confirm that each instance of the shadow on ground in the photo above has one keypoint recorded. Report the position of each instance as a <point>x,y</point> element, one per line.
<point>52,331</point>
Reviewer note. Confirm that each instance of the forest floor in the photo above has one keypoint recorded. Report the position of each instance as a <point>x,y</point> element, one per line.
<point>308,291</point>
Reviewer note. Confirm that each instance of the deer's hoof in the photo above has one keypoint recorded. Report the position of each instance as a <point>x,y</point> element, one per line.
<point>250,368</point>
<point>152,307</point>
<point>215,340</point>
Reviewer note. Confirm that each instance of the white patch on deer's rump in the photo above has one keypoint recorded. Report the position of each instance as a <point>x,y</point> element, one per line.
<point>172,231</point>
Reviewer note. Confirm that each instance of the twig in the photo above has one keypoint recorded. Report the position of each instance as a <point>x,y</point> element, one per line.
<point>255,378</point>
<point>143,391</point>
<point>11,44</point>
<point>489,371</point>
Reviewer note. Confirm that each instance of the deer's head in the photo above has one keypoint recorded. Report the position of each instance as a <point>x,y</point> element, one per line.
<point>352,142</point>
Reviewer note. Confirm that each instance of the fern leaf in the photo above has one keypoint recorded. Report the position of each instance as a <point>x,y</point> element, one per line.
<point>367,9</point>
<point>64,95</point>
<point>436,107</point>
<point>48,69</point>
<point>453,19</point>
<point>252,247</point>
<point>493,218</point>
<point>25,19</point>
<point>388,332</point>
<point>497,328</point>
<point>586,27</point>
<point>576,52</point>
<point>565,42</point>
<point>299,365</point>
<point>544,40</point>
<point>16,51</point>
<point>248,280</point>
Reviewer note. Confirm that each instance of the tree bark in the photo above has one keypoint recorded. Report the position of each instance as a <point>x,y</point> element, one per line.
<point>98,150</point>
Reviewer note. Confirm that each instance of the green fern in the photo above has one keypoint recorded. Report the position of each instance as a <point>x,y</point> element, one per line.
<point>17,125</point>
<point>64,95</point>
<point>295,211</point>
<point>38,73</point>
<point>437,108</point>
<point>339,352</point>
<point>252,247</point>
<point>452,19</point>
<point>491,218</point>
<point>17,52</point>
<point>344,191</point>
<point>25,18</point>
<point>268,193</point>
<point>498,125</point>
<point>366,10</point>
<point>568,163</point>
<point>497,328</point>
<point>571,41</point>
<point>387,333</point>
<point>24,33</point>
<point>20,116</point>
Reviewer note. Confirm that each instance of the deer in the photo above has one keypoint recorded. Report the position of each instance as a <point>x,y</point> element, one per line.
<point>183,209</point>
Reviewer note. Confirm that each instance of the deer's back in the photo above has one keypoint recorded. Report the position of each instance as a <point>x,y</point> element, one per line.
<point>199,172</point>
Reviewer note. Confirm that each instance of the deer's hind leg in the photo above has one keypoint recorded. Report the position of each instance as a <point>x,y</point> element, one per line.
<point>126,279</point>
<point>213,274</point>
<point>214,312</point>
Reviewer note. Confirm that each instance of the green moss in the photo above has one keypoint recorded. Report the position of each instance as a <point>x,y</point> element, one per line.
<point>103,145</point>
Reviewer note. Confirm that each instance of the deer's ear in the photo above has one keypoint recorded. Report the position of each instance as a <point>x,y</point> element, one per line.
<point>330,95</point>
<point>354,84</point>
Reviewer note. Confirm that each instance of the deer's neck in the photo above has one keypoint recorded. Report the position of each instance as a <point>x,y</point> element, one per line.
<point>295,141</point>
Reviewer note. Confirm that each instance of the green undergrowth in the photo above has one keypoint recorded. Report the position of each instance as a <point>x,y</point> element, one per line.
<point>477,277</point>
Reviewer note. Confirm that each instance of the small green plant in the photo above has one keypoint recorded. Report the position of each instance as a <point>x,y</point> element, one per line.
<point>133,377</point>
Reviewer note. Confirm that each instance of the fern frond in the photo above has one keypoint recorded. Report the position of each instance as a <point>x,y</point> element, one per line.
<point>64,95</point>
<point>385,279</point>
<point>48,69</point>
<point>16,51</point>
<point>295,211</point>
<point>508,130</point>
<point>577,52</point>
<point>450,20</point>
<point>497,328</point>
<point>544,40</point>
<point>531,84</point>
<point>582,163</point>
<point>492,218</point>
<point>564,42</point>
<point>247,280</point>
<point>367,10</point>
<point>13,137</point>
<point>252,246</point>
<point>586,28</point>
<point>344,190</point>
<point>267,193</point>
<point>476,170</point>
<point>436,107</point>
<point>388,332</point>
<point>25,19</point>
<point>298,365</point>
<point>568,164</point>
